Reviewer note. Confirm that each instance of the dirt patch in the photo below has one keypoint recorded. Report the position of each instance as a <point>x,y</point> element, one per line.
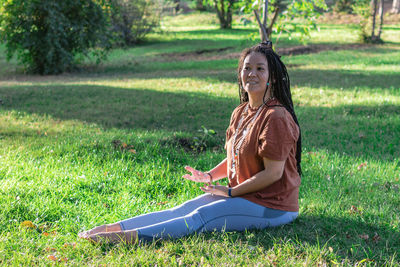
<point>310,49</point>
<point>210,54</point>
<point>198,55</point>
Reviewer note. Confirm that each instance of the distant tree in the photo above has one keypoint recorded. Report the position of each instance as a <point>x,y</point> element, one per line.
<point>224,9</point>
<point>287,16</point>
<point>131,20</point>
<point>200,5</point>
<point>395,7</point>
<point>370,12</point>
<point>343,6</point>
<point>47,35</point>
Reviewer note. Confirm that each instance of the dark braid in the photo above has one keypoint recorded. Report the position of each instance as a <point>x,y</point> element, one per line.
<point>279,85</point>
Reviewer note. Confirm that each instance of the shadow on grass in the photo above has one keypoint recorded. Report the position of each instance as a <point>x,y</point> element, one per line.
<point>347,240</point>
<point>223,71</point>
<point>347,80</point>
<point>112,107</point>
<point>368,131</point>
<point>349,237</point>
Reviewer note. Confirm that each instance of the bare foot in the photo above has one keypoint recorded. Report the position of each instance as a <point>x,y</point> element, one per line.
<point>98,229</point>
<point>106,228</point>
<point>128,237</point>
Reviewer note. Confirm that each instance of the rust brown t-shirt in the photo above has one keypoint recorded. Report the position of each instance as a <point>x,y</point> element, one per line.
<point>273,135</point>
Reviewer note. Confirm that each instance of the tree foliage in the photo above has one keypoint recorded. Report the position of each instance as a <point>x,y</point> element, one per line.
<point>131,20</point>
<point>46,35</point>
<point>288,16</point>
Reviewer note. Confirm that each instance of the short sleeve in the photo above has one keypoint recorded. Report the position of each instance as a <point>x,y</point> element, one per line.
<point>278,137</point>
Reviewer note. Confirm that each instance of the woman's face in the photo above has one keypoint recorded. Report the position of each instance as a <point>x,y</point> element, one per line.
<point>254,74</point>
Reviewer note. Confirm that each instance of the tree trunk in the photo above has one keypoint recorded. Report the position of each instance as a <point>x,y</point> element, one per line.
<point>220,17</point>
<point>381,6</point>
<point>274,17</point>
<point>265,15</point>
<point>199,5</point>
<point>176,7</point>
<point>229,14</point>
<point>374,5</point>
<point>224,15</point>
<point>395,7</point>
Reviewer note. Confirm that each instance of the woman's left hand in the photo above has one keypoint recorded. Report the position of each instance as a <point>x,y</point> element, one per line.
<point>218,189</point>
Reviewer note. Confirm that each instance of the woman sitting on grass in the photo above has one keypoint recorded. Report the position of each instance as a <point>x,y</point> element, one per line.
<point>263,165</point>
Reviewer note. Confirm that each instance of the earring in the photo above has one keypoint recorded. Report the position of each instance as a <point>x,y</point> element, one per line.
<point>267,84</point>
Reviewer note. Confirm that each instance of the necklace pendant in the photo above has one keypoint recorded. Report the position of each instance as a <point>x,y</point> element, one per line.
<point>233,170</point>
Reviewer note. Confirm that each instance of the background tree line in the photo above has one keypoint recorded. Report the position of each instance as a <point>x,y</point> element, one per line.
<point>50,37</point>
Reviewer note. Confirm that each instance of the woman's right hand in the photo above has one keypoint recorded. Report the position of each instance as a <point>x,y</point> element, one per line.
<point>197,176</point>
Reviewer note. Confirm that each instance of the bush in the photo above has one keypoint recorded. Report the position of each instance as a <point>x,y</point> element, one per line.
<point>46,35</point>
<point>131,20</point>
<point>367,26</point>
<point>344,6</point>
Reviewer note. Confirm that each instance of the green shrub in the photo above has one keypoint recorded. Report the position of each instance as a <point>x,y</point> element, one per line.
<point>46,35</point>
<point>131,20</point>
<point>369,31</point>
<point>343,6</point>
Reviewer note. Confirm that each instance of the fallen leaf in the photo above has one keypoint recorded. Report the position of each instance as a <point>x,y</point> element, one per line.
<point>52,257</point>
<point>354,209</point>
<point>132,151</point>
<point>362,165</point>
<point>361,135</point>
<point>364,236</point>
<point>45,234</point>
<point>330,249</point>
<point>124,145</point>
<point>162,203</point>
<point>50,249</point>
<point>28,224</point>
<point>376,238</point>
<point>66,245</point>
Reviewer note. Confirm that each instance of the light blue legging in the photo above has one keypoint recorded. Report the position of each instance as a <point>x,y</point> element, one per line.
<point>206,213</point>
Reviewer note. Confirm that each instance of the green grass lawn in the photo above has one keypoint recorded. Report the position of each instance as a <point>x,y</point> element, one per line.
<point>61,170</point>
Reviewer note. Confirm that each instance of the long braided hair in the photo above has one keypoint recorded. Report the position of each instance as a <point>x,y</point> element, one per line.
<point>279,85</point>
